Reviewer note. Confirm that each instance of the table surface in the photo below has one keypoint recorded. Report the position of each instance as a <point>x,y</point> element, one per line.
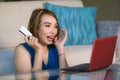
<point>110,73</point>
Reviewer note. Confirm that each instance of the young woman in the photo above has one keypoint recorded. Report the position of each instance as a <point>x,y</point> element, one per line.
<point>44,50</point>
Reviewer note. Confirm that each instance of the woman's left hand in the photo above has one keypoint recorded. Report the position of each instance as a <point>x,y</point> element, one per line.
<point>61,41</point>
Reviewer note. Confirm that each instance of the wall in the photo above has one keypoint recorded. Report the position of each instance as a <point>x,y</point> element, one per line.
<point>106,9</point>
<point>17,13</point>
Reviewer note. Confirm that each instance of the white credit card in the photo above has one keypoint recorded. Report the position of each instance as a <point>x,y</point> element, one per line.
<point>24,31</point>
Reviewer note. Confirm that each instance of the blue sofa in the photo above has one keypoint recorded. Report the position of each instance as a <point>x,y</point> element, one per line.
<point>107,28</point>
<point>103,29</point>
<point>7,61</point>
<point>20,12</point>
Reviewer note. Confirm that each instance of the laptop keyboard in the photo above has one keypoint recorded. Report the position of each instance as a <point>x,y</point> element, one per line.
<point>81,67</point>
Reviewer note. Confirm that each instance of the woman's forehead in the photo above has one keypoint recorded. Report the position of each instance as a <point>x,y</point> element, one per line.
<point>49,19</point>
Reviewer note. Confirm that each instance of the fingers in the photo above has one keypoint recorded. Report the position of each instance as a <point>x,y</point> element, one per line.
<point>26,38</point>
<point>29,39</point>
<point>33,42</point>
<point>64,34</point>
<point>62,37</point>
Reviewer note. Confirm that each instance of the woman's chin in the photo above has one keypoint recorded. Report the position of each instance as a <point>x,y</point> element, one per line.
<point>49,43</point>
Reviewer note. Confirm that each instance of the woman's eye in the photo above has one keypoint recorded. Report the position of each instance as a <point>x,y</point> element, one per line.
<point>47,25</point>
<point>56,26</point>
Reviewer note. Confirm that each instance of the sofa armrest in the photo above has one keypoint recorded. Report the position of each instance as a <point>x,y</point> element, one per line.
<point>107,28</point>
<point>7,61</point>
<point>79,54</point>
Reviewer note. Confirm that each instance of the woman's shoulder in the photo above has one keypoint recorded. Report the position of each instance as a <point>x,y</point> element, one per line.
<point>19,46</point>
<point>23,44</point>
<point>20,50</point>
<point>22,47</point>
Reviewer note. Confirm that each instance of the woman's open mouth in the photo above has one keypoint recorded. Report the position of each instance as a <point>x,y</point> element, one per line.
<point>50,38</point>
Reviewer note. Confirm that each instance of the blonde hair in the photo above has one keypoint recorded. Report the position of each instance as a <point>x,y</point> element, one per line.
<point>35,20</point>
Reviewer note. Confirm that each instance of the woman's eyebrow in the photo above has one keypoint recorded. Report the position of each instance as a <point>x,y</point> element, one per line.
<point>47,23</point>
<point>50,23</point>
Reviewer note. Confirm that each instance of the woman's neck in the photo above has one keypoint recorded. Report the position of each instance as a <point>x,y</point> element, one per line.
<point>45,49</point>
<point>45,54</point>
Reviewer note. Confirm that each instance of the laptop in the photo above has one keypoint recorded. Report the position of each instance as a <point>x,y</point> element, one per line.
<point>101,57</point>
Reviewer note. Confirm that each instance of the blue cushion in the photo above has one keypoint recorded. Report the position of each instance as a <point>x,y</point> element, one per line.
<point>7,62</point>
<point>78,21</point>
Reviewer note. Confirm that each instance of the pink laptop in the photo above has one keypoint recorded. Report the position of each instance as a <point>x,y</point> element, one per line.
<point>101,57</point>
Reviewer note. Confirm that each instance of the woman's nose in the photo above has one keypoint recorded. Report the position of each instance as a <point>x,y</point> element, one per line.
<point>53,30</point>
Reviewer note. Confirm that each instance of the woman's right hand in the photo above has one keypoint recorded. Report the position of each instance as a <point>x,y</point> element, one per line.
<point>33,42</point>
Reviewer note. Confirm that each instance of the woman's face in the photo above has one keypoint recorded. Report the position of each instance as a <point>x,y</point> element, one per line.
<point>48,29</point>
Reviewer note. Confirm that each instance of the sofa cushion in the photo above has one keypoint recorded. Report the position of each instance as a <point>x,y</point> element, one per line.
<point>107,28</point>
<point>78,21</point>
<point>78,54</point>
<point>7,61</point>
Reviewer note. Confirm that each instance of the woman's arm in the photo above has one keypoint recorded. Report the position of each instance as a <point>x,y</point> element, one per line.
<point>62,61</point>
<point>62,58</point>
<point>37,61</point>
<point>33,42</point>
<point>60,46</point>
<point>22,60</point>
